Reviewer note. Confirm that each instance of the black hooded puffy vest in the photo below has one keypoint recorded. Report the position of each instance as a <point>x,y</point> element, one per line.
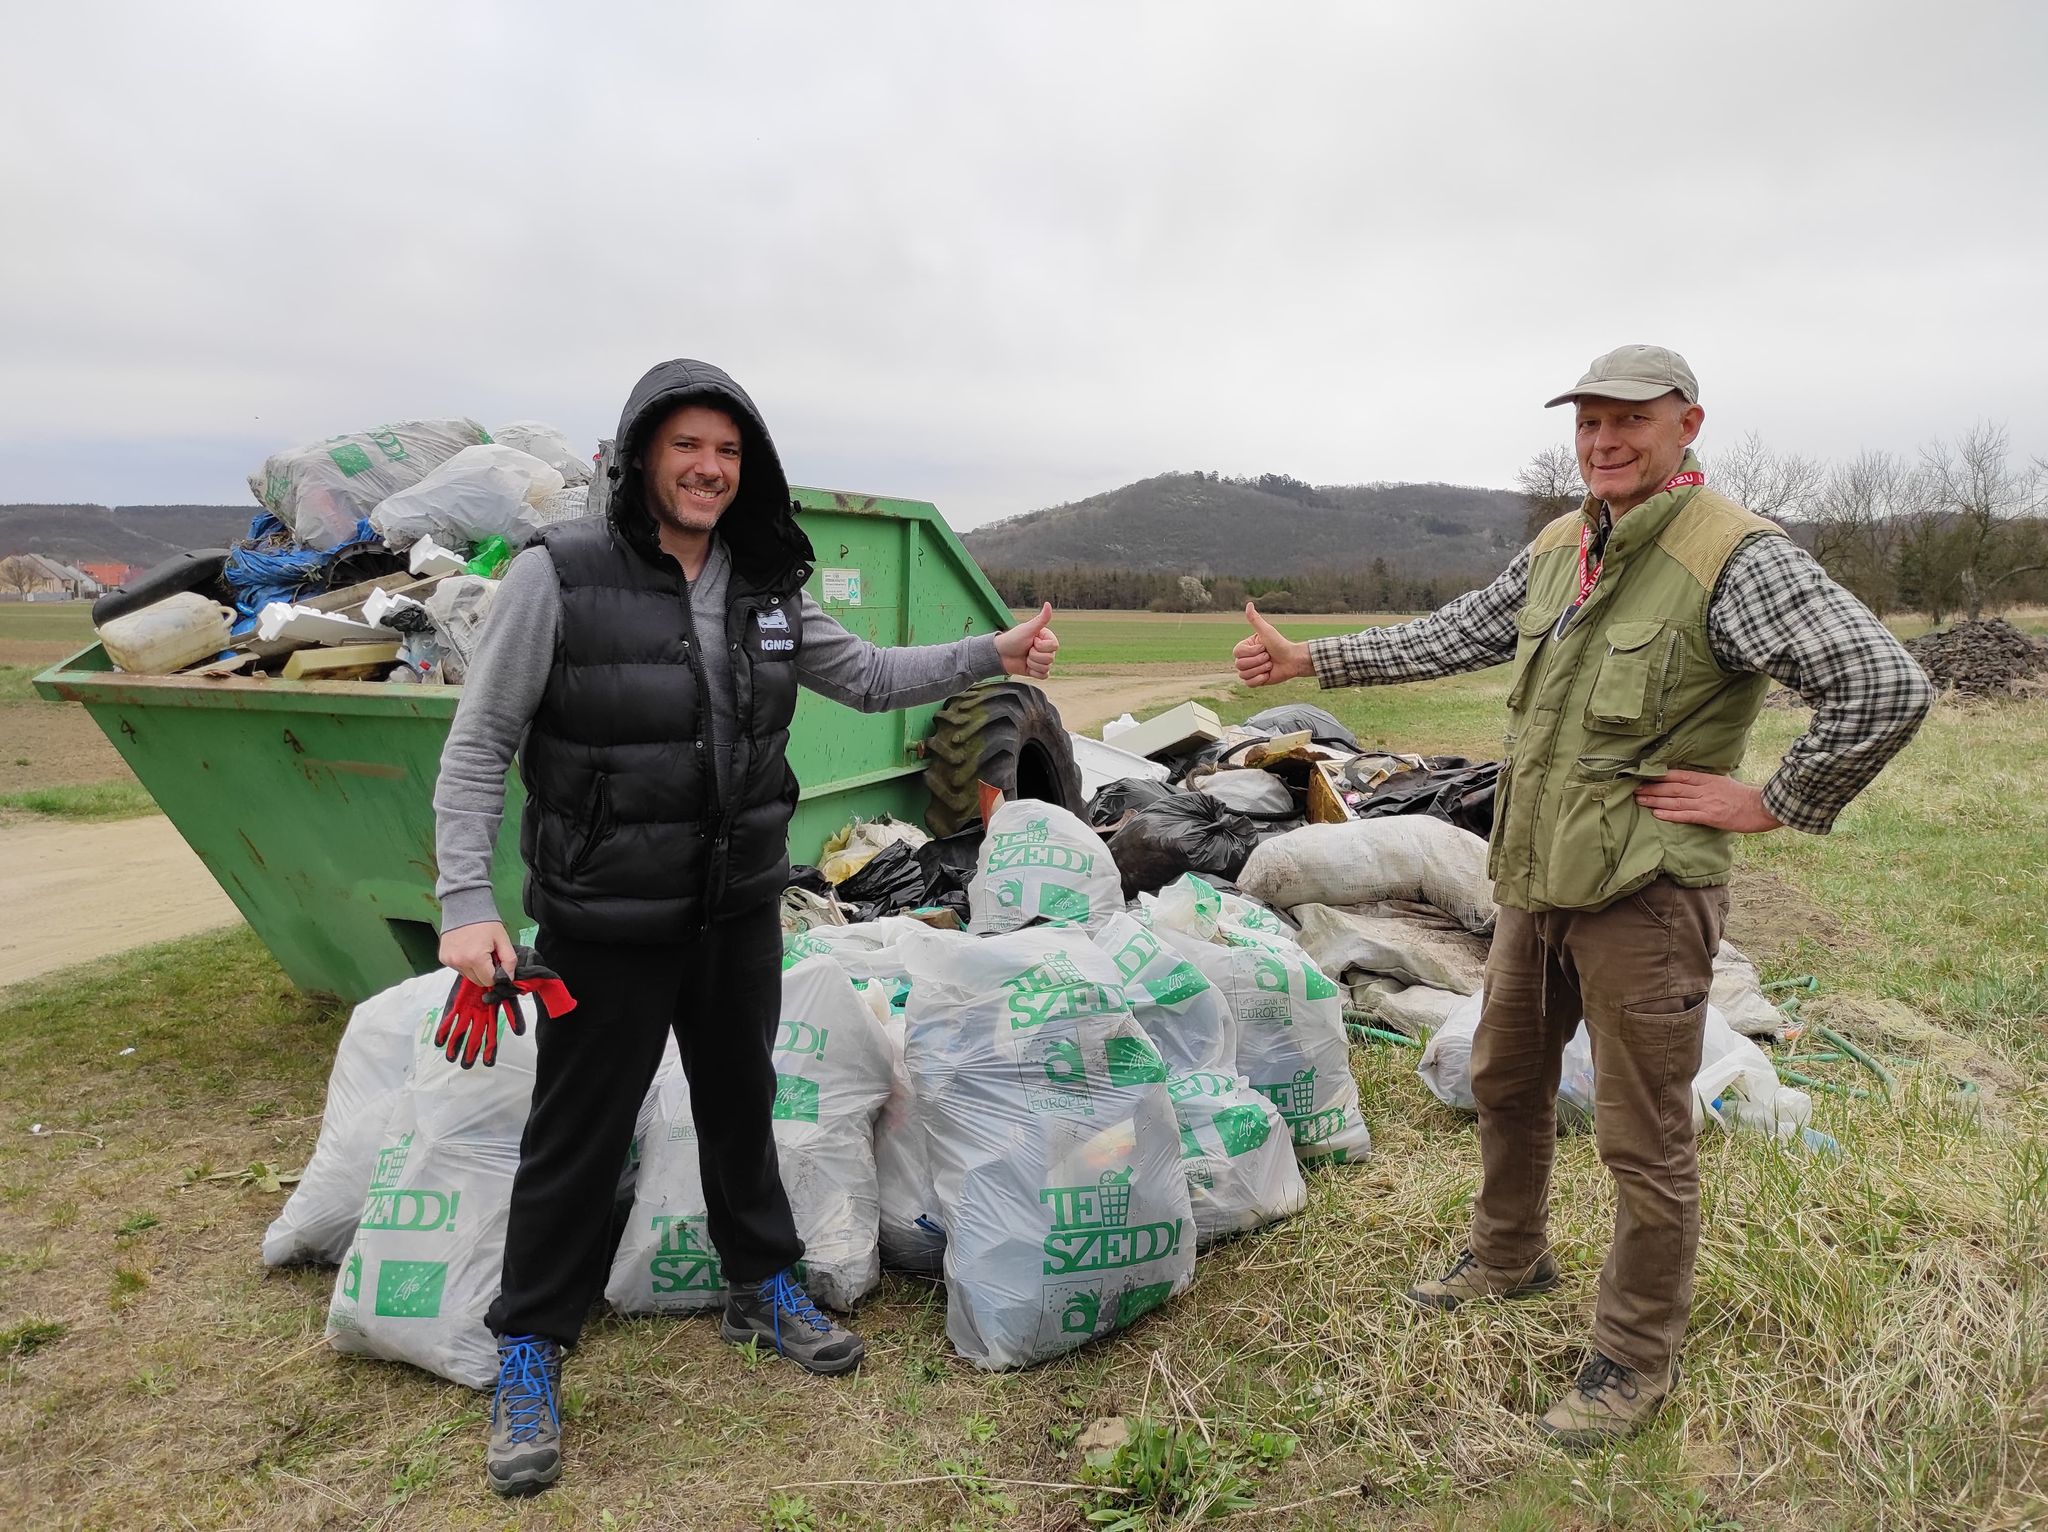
<point>624,835</point>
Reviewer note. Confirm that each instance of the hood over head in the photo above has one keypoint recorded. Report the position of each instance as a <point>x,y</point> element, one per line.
<point>759,528</point>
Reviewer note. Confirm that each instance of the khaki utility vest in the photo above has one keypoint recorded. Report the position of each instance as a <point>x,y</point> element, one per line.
<point>1630,690</point>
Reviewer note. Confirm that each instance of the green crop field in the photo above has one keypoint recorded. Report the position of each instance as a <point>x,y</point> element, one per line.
<point>1867,1347</point>
<point>50,622</point>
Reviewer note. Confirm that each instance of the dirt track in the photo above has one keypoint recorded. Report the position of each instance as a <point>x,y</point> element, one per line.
<point>75,892</point>
<point>1086,702</point>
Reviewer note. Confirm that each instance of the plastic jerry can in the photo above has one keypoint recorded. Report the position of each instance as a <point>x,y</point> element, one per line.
<point>167,635</point>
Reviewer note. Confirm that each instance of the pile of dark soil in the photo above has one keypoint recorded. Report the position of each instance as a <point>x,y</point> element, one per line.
<point>1982,659</point>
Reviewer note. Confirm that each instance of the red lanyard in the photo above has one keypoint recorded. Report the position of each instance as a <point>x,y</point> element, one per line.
<point>1589,567</point>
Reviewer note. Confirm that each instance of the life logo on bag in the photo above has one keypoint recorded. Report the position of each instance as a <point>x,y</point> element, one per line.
<point>683,1260</point>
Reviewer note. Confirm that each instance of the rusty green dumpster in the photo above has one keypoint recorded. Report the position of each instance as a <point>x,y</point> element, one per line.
<point>311,802</point>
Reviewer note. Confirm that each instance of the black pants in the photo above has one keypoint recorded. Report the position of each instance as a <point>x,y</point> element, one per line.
<point>721,994</point>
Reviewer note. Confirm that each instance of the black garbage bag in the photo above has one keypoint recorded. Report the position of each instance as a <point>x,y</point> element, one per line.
<point>949,863</point>
<point>1292,717</point>
<point>1452,789</point>
<point>1188,832</point>
<point>899,878</point>
<point>1114,802</point>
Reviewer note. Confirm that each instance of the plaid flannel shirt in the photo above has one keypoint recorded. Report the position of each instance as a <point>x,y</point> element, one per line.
<point>1775,610</point>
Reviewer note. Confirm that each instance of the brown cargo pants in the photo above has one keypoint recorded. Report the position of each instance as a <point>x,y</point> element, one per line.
<point>1638,971</point>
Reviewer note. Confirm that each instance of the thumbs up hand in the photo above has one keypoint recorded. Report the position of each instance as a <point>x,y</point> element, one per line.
<point>1268,657</point>
<point>1028,648</point>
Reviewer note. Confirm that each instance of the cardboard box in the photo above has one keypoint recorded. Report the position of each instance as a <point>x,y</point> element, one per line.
<point>1174,732</point>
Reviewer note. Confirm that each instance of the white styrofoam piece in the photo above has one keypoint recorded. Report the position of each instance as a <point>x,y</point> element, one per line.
<point>430,558</point>
<point>1102,764</point>
<point>300,624</point>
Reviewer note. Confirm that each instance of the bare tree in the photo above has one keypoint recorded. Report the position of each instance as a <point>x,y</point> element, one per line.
<point>1984,506</point>
<point>20,575</point>
<point>1858,521</point>
<point>1550,486</point>
<point>1780,485</point>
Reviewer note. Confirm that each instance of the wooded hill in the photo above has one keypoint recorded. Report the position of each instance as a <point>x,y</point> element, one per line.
<point>124,534</point>
<point>1275,525</point>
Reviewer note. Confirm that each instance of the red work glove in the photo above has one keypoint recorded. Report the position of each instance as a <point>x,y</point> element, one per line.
<point>469,1022</point>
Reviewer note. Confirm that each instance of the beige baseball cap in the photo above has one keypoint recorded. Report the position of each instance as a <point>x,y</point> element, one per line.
<point>1634,372</point>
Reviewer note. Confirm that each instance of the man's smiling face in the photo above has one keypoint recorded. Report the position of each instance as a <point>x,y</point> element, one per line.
<point>1628,448</point>
<point>692,465</point>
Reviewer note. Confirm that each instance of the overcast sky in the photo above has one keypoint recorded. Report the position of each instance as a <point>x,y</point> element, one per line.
<point>1000,256</point>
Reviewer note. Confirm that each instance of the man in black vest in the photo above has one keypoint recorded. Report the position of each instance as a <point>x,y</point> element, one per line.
<point>644,666</point>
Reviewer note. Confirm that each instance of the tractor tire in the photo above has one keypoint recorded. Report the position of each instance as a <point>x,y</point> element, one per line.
<point>1007,734</point>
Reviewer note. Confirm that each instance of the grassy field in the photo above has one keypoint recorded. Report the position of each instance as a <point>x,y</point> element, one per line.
<point>1867,1346</point>
<point>54,761</point>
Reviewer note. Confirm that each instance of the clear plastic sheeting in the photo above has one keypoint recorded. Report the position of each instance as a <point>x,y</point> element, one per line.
<point>322,491</point>
<point>429,1251</point>
<point>370,1069</point>
<point>1039,862</point>
<point>551,446</point>
<point>1053,1143</point>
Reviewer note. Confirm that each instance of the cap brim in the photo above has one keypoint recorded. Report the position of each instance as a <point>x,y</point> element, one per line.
<point>1633,389</point>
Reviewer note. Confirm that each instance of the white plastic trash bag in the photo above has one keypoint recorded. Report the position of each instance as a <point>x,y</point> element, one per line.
<point>1737,1086</point>
<point>1737,992</point>
<point>911,1236</point>
<point>1193,906</point>
<point>322,490</point>
<point>1290,1038</point>
<point>1054,1150</point>
<point>831,1077</point>
<point>370,1068</point>
<point>1446,1066</point>
<point>1039,862</point>
<point>552,447</point>
<point>1236,1154</point>
<point>429,1252</point>
<point>1409,856</point>
<point>1187,1017</point>
<point>483,491</point>
<point>665,1263</point>
<point>1235,1147</point>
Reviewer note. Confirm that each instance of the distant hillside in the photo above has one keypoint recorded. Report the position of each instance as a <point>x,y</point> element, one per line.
<point>123,534</point>
<point>1193,523</point>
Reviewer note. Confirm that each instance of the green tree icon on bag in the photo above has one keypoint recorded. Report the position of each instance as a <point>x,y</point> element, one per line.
<point>352,1277</point>
<point>1010,893</point>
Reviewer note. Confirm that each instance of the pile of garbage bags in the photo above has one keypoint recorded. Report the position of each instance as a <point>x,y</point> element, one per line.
<point>1052,1109</point>
<point>346,571</point>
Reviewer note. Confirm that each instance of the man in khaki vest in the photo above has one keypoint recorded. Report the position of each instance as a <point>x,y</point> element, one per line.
<point>1644,628</point>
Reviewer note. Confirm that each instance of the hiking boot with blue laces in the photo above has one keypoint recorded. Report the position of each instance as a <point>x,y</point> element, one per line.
<point>525,1454</point>
<point>780,1314</point>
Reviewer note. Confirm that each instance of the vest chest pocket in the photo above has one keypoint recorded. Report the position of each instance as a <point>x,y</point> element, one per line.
<point>1635,674</point>
<point>1531,629</point>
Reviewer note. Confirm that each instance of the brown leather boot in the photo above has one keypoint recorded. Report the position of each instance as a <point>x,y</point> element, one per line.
<point>1608,1404</point>
<point>1469,1278</point>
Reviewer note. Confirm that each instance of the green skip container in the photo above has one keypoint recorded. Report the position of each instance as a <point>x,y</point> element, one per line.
<point>312,802</point>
